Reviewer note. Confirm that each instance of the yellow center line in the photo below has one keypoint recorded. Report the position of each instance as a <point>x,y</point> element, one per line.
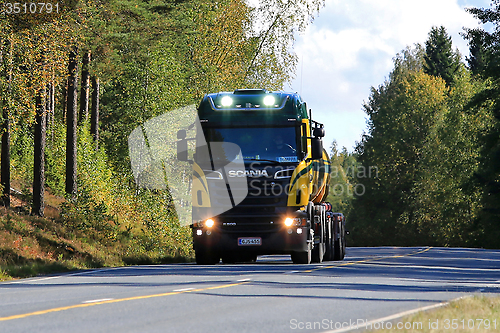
<point>368,260</point>
<point>84,305</point>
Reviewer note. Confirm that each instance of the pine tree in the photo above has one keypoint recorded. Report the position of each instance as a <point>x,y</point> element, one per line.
<point>6,62</point>
<point>85,88</point>
<point>477,50</point>
<point>39,155</point>
<point>71,129</point>
<point>440,60</point>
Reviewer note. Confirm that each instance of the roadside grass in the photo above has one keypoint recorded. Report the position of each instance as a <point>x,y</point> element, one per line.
<point>479,314</point>
<point>32,246</point>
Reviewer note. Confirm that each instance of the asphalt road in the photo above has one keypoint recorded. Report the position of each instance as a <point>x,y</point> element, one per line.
<point>272,295</point>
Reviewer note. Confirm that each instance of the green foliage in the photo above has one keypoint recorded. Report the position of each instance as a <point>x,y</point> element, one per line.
<point>344,177</point>
<point>145,90</point>
<point>440,60</point>
<point>487,101</point>
<point>434,137</point>
<point>417,126</point>
<point>55,155</point>
<point>22,154</point>
<point>272,61</point>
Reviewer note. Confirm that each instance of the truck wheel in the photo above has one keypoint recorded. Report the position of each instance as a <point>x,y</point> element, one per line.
<point>330,249</point>
<point>339,252</point>
<point>344,244</point>
<point>205,257</point>
<point>317,254</point>
<point>302,258</point>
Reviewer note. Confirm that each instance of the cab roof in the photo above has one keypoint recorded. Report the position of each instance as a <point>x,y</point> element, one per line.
<point>253,101</point>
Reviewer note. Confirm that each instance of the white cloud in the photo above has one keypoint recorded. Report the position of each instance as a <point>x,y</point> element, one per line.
<point>350,46</point>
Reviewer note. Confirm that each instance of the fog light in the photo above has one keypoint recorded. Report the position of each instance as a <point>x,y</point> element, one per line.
<point>199,232</point>
<point>209,223</point>
<point>288,221</point>
<point>299,231</point>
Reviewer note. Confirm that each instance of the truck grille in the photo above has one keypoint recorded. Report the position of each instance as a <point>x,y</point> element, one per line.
<point>264,199</point>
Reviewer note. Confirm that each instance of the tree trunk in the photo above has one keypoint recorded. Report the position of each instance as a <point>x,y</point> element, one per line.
<point>5,177</point>
<point>52,109</point>
<point>65,100</point>
<point>94,117</point>
<point>6,62</point>
<point>85,88</point>
<point>49,111</point>
<point>71,117</point>
<point>39,155</point>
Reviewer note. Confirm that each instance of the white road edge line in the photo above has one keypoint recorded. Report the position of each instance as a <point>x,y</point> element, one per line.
<point>64,275</point>
<point>32,280</point>
<point>242,280</point>
<point>184,289</point>
<point>392,317</point>
<point>98,300</point>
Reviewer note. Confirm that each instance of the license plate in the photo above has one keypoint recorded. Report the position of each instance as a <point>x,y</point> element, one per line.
<point>249,241</point>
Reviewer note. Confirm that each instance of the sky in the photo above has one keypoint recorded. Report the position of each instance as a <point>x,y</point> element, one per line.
<point>349,48</point>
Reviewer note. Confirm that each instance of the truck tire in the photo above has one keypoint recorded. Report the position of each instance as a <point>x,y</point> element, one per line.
<point>206,257</point>
<point>339,251</point>
<point>330,246</point>
<point>344,244</point>
<point>302,258</point>
<point>318,253</point>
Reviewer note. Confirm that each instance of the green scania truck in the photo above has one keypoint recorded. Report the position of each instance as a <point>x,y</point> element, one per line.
<point>275,203</point>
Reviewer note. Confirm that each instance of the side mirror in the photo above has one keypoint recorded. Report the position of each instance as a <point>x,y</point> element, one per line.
<point>319,132</point>
<point>316,148</point>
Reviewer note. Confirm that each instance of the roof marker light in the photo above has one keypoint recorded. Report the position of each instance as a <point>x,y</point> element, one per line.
<point>226,101</point>
<point>269,100</point>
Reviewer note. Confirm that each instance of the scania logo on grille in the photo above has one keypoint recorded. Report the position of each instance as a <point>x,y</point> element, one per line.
<point>248,173</point>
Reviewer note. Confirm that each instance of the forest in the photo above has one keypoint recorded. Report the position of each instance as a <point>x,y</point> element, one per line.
<point>76,79</point>
<point>427,170</point>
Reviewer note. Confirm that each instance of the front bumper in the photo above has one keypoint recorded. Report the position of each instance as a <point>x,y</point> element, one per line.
<point>283,241</point>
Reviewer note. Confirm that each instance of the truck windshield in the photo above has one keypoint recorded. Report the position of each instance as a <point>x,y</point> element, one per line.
<point>272,143</point>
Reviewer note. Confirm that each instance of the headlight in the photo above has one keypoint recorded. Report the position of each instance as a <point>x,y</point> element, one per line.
<point>296,221</point>
<point>209,223</point>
